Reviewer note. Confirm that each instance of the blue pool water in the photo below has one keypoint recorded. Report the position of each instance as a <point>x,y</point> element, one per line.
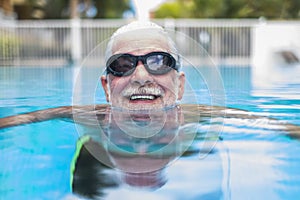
<point>252,160</point>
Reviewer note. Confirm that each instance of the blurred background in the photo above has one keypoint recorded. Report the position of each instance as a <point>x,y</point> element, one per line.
<point>62,32</point>
<point>92,9</point>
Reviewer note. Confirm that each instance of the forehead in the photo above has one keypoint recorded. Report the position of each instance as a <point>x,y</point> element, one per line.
<point>141,41</point>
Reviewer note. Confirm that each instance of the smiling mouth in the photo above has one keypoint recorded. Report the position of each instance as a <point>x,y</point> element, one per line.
<point>143,97</point>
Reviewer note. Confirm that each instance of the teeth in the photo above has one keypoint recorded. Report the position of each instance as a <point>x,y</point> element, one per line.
<point>144,97</point>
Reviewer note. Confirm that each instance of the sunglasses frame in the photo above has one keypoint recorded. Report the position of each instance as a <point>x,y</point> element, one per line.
<point>142,58</point>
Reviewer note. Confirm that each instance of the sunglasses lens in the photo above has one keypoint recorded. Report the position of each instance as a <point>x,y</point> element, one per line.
<point>159,64</point>
<point>122,65</point>
<point>155,62</point>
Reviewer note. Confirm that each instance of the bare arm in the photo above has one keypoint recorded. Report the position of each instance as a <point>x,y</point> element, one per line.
<point>36,116</point>
<point>66,112</point>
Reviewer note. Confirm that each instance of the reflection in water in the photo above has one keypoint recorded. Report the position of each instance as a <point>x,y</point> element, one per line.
<point>119,155</point>
<point>135,148</point>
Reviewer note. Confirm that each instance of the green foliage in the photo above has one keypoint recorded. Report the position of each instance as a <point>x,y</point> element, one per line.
<point>57,9</point>
<point>168,10</point>
<point>111,8</point>
<point>177,9</point>
<point>272,9</point>
<point>211,8</point>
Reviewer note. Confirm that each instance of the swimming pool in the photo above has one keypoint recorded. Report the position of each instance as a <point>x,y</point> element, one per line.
<point>252,160</point>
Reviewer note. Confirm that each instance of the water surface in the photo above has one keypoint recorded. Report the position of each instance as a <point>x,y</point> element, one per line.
<point>251,158</point>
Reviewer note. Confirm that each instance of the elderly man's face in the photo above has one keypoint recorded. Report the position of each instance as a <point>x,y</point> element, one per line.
<point>142,90</point>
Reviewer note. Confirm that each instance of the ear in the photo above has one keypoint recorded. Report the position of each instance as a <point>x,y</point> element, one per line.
<point>181,85</point>
<point>105,87</point>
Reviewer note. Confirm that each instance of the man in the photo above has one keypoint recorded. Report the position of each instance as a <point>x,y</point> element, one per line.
<point>143,83</point>
<point>142,73</point>
<point>143,68</point>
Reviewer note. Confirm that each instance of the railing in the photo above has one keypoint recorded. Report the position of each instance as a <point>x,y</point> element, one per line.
<point>49,42</point>
<point>63,42</point>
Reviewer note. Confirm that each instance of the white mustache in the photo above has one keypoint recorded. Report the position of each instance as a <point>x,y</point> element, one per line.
<point>157,91</point>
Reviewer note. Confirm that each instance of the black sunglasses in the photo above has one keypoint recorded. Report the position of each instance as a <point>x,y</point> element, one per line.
<point>156,63</point>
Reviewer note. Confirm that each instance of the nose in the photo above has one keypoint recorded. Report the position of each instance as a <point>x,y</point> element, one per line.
<point>141,75</point>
